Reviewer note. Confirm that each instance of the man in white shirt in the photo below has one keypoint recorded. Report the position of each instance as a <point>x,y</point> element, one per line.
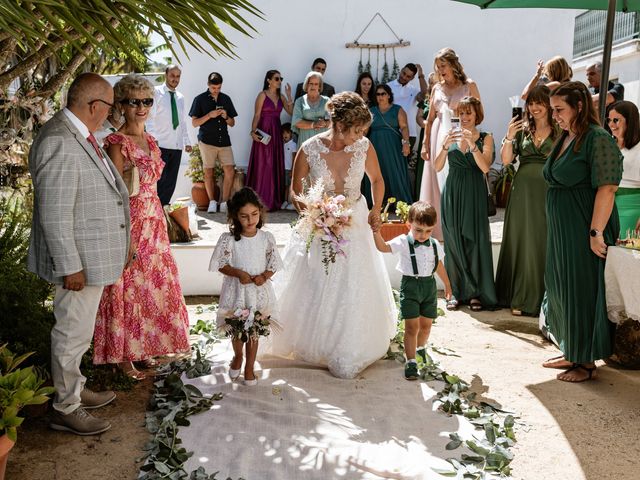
<point>404,94</point>
<point>167,125</point>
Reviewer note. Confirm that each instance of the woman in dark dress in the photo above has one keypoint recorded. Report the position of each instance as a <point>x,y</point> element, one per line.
<point>520,276</point>
<point>465,224</point>
<point>583,173</point>
<point>265,173</point>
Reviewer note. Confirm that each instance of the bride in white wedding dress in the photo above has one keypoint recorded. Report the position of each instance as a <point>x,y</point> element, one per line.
<point>345,318</point>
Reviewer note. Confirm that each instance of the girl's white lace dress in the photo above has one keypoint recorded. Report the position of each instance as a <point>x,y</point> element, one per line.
<point>343,320</point>
<point>253,255</point>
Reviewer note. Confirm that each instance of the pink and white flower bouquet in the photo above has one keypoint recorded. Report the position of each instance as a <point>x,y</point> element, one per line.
<point>326,217</point>
<point>246,323</point>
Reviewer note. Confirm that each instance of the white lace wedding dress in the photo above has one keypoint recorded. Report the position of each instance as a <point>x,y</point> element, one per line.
<point>344,319</point>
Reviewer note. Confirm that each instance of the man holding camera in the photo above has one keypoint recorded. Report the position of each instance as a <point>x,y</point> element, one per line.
<point>213,112</point>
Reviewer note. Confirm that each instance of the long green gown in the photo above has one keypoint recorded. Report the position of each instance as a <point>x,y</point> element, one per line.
<point>386,138</point>
<point>424,107</point>
<point>465,226</point>
<point>576,309</point>
<point>520,275</point>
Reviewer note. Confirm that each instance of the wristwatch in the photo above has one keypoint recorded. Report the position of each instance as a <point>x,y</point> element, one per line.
<point>506,140</point>
<point>595,233</point>
<point>405,142</point>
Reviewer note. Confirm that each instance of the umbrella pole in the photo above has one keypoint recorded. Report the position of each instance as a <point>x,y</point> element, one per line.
<point>606,60</point>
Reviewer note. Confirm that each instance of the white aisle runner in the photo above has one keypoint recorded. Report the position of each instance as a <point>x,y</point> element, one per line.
<point>300,422</point>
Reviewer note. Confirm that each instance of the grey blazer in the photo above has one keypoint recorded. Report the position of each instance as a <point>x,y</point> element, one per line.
<point>80,214</point>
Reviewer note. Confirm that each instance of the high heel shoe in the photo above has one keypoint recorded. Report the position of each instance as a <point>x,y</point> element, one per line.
<point>251,383</point>
<point>130,371</point>
<point>234,374</point>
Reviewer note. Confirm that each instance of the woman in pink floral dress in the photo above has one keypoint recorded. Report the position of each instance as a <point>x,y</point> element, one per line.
<point>142,315</point>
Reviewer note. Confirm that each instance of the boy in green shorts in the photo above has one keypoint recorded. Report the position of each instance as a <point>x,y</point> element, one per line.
<point>420,257</point>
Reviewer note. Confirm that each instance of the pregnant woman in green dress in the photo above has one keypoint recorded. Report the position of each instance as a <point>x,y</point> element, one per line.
<point>465,225</point>
<point>520,277</point>
<point>583,173</point>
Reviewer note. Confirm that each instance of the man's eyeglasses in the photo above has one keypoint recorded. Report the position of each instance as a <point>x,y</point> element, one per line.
<point>137,102</point>
<point>613,120</point>
<point>91,102</point>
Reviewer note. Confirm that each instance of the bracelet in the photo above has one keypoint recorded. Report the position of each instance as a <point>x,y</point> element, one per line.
<point>404,142</point>
<point>313,125</point>
<point>445,148</point>
<point>512,141</point>
<point>474,151</point>
<point>420,76</point>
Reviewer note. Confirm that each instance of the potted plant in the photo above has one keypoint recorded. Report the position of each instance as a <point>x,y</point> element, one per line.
<point>18,387</point>
<point>503,184</point>
<point>392,228</point>
<point>196,173</point>
<point>180,213</point>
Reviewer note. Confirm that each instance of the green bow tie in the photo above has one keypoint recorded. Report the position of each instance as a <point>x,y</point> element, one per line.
<point>426,243</point>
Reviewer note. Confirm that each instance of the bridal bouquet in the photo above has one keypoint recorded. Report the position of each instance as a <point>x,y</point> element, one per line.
<point>324,216</point>
<point>246,323</point>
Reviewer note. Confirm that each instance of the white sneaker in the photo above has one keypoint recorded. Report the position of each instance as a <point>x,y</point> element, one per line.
<point>223,207</point>
<point>290,206</point>
<point>213,207</point>
<point>284,205</point>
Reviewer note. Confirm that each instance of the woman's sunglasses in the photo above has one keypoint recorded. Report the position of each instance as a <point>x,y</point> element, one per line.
<point>613,120</point>
<point>380,94</point>
<point>278,79</point>
<point>136,102</point>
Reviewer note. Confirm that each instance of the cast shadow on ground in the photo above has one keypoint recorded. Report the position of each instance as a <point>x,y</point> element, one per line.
<point>600,419</point>
<point>301,422</point>
<point>523,328</point>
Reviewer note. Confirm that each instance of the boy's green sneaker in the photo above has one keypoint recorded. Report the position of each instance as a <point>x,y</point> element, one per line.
<point>411,371</point>
<point>421,355</point>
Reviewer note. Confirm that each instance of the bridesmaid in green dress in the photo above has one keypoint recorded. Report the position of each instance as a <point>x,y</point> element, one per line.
<point>389,134</point>
<point>465,224</point>
<point>583,173</point>
<point>520,277</point>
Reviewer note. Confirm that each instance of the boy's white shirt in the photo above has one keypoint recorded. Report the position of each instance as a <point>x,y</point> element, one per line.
<point>424,256</point>
<point>290,148</point>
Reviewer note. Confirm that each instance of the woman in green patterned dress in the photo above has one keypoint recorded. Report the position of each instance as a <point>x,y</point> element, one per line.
<point>465,224</point>
<point>520,276</point>
<point>583,173</point>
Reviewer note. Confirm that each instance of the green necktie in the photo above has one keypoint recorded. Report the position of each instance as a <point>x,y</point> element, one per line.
<point>174,110</point>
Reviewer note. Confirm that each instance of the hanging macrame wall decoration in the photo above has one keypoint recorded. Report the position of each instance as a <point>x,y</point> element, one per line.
<point>380,49</point>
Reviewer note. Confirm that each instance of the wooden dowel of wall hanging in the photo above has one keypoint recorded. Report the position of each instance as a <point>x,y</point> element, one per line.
<point>377,45</point>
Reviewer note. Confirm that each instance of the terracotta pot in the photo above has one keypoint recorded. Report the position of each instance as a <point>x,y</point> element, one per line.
<point>199,195</point>
<point>502,195</point>
<point>393,229</point>
<point>181,216</point>
<point>5,446</point>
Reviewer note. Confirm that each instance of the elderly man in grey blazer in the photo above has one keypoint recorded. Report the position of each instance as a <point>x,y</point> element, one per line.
<point>79,240</point>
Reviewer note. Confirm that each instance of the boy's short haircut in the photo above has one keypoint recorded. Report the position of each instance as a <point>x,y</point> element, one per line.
<point>286,127</point>
<point>424,213</point>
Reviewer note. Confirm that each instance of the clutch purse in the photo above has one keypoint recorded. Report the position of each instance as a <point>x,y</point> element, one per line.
<point>263,136</point>
<point>491,203</point>
<point>131,177</point>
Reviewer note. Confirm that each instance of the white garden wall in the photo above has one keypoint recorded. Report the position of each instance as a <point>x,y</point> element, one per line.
<point>498,48</point>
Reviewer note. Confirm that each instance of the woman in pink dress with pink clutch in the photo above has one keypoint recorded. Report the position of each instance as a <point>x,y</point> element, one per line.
<point>143,314</point>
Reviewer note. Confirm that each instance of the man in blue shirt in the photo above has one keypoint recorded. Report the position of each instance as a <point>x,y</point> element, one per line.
<point>213,112</point>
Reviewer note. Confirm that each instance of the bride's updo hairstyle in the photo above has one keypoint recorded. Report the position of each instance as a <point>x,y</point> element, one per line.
<point>348,109</point>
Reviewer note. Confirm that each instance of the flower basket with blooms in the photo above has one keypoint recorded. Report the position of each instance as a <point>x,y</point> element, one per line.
<point>246,323</point>
<point>326,217</point>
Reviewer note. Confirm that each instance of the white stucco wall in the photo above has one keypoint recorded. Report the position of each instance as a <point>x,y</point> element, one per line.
<point>498,48</point>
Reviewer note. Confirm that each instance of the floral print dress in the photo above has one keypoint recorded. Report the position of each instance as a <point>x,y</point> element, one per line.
<point>143,314</point>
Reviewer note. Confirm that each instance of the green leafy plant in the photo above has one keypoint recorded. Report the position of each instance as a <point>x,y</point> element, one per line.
<point>505,177</point>
<point>196,170</point>
<point>18,387</point>
<point>402,211</point>
<point>385,212</point>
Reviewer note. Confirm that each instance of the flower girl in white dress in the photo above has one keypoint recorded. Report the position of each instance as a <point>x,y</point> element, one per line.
<point>337,313</point>
<point>248,258</point>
